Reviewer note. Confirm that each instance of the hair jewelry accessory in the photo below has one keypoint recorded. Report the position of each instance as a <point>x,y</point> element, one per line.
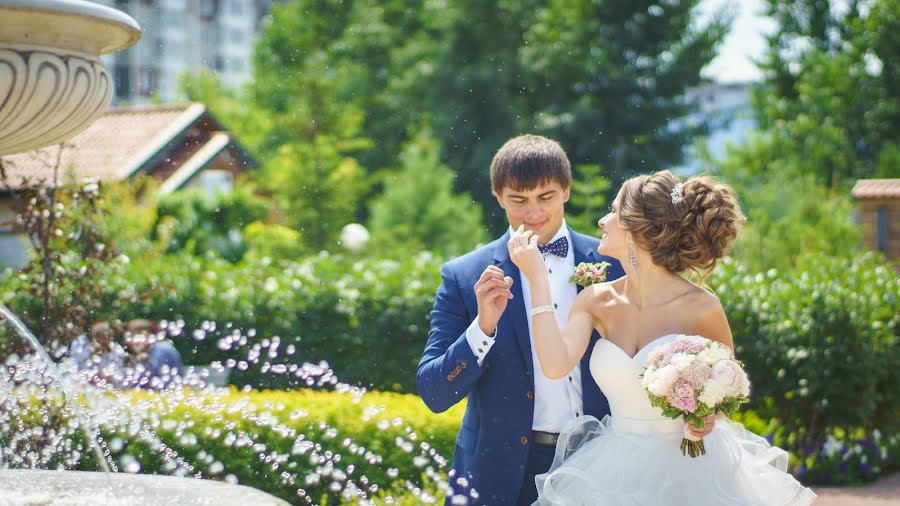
<point>676,192</point>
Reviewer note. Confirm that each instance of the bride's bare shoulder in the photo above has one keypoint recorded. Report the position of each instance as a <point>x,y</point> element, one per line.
<point>708,315</point>
<point>699,298</point>
<point>605,294</point>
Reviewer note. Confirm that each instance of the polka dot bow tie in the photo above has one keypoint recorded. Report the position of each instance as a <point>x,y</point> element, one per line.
<point>559,247</point>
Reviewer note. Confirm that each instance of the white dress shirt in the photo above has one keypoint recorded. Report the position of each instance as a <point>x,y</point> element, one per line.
<point>556,402</point>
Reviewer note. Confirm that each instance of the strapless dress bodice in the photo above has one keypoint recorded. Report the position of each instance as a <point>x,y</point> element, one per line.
<point>619,376</point>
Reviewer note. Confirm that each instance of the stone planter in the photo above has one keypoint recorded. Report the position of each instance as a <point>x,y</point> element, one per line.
<point>52,82</point>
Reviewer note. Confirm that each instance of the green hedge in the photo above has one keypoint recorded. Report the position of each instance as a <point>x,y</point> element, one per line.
<point>367,318</point>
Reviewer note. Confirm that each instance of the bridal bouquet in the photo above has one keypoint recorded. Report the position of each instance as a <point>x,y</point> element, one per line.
<point>694,378</point>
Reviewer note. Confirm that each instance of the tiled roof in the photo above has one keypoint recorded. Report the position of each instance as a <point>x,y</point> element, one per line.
<point>877,189</point>
<point>111,149</point>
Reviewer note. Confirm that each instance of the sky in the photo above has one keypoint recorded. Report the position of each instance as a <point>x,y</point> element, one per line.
<point>745,41</point>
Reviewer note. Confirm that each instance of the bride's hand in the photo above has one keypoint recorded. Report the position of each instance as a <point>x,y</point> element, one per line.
<point>708,423</point>
<point>524,252</point>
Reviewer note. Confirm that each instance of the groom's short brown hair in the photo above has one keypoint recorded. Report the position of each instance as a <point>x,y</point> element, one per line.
<point>527,161</point>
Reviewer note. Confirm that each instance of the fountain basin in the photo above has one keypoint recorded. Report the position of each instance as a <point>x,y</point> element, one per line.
<point>22,487</point>
<point>53,84</point>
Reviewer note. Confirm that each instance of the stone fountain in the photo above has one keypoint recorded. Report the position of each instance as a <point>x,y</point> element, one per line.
<point>53,84</point>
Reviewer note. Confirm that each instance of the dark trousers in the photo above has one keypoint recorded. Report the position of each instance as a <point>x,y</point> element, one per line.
<point>539,459</point>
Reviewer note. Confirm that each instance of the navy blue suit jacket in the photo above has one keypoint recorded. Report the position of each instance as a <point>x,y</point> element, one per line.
<point>493,442</point>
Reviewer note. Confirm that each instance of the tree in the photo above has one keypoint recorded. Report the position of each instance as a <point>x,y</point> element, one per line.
<point>352,70</point>
<point>587,201</point>
<point>831,97</point>
<point>608,79</point>
<point>476,95</point>
<point>318,189</point>
<point>234,108</point>
<point>418,209</point>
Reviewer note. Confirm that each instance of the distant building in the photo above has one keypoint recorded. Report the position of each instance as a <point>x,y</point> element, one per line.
<point>726,108</point>
<point>184,36</point>
<point>878,213</point>
<point>181,146</point>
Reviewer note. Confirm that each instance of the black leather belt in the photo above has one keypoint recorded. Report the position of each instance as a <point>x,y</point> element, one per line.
<point>544,438</point>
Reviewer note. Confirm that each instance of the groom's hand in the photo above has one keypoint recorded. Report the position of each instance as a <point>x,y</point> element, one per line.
<point>492,293</point>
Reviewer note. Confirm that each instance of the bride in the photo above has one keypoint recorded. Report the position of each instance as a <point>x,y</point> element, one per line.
<point>659,228</point>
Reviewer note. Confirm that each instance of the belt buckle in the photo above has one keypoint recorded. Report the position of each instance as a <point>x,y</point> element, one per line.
<point>545,438</point>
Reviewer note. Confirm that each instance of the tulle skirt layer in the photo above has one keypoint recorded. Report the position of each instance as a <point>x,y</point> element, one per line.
<point>639,462</point>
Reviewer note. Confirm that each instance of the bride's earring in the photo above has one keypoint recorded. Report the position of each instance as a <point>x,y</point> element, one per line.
<point>631,256</point>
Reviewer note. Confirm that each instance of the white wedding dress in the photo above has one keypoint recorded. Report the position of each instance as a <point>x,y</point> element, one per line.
<point>633,458</point>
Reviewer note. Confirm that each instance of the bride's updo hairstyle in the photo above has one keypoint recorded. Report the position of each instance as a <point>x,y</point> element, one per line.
<point>685,226</point>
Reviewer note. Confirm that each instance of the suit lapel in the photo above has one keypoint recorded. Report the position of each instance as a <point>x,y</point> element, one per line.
<point>515,310</point>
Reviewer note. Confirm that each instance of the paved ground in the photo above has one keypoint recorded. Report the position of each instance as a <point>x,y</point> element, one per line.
<point>883,492</point>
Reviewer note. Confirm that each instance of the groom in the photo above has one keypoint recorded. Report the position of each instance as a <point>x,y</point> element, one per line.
<point>480,345</point>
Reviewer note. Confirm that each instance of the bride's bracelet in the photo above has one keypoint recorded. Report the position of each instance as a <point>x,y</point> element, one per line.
<point>547,308</point>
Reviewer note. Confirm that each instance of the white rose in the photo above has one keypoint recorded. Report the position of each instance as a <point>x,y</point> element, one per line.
<point>707,357</point>
<point>648,375</point>
<point>681,360</point>
<point>662,380</point>
<point>712,394</point>
<point>730,375</point>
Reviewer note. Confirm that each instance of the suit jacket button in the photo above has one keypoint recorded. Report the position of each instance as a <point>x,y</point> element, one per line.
<point>449,377</point>
<point>529,395</point>
<point>463,365</point>
<point>524,440</point>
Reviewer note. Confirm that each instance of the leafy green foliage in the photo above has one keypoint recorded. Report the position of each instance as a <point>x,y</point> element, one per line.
<point>367,318</point>
<point>830,105</point>
<point>789,217</point>
<point>587,200</point>
<point>197,222</point>
<point>233,108</point>
<point>68,257</point>
<point>272,241</point>
<point>626,68</point>
<point>418,210</point>
<point>346,74</point>
<point>317,188</point>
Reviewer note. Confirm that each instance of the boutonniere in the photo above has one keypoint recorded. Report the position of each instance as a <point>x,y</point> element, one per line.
<point>587,274</point>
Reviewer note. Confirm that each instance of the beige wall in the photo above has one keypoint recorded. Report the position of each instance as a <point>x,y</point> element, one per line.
<point>868,211</point>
